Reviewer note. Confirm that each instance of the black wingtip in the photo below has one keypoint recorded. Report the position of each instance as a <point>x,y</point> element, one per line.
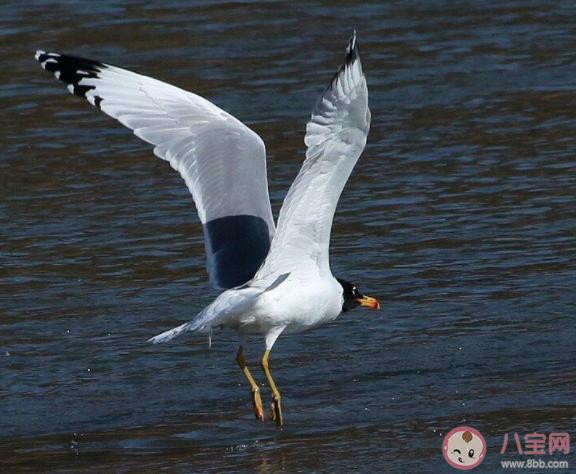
<point>352,49</point>
<point>351,56</point>
<point>71,70</point>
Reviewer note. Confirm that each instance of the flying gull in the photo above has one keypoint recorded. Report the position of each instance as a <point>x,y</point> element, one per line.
<point>276,279</point>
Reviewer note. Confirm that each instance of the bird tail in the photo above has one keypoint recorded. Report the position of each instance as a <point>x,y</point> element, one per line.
<point>169,335</point>
<point>198,324</point>
<point>228,303</point>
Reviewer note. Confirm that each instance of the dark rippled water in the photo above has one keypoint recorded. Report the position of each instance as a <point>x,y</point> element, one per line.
<point>460,217</point>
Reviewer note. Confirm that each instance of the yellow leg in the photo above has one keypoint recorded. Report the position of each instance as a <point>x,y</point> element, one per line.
<point>256,400</point>
<point>276,406</point>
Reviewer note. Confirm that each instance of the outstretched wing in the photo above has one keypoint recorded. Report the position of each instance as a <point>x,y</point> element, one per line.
<point>222,161</point>
<point>335,137</point>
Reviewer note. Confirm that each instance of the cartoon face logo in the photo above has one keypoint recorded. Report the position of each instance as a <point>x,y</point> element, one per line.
<point>464,448</point>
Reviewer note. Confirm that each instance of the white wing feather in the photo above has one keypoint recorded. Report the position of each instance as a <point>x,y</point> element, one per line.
<point>335,137</point>
<point>222,161</point>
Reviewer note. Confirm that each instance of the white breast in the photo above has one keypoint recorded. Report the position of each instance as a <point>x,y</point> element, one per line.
<point>298,304</point>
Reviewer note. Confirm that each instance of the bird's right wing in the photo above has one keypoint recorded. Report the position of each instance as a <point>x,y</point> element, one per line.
<point>335,136</point>
<point>222,161</point>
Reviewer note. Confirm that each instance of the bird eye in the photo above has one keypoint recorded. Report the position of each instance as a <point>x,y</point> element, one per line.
<point>471,453</point>
<point>459,452</point>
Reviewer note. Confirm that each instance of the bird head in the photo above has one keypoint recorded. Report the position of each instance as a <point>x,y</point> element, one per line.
<point>353,297</point>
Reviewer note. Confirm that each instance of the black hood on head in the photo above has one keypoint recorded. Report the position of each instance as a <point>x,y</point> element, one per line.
<point>350,294</point>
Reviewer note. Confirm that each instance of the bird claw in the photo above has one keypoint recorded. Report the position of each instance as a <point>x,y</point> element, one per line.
<point>276,411</point>
<point>257,404</point>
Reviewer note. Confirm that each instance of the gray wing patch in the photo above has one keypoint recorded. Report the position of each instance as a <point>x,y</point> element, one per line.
<point>236,247</point>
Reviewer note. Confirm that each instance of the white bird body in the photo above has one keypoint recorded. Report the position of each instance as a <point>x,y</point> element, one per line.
<point>300,303</point>
<point>275,279</point>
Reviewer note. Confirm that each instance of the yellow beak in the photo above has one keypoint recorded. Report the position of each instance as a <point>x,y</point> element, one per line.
<point>369,302</point>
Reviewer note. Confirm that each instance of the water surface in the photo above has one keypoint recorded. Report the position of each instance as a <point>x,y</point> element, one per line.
<point>460,217</point>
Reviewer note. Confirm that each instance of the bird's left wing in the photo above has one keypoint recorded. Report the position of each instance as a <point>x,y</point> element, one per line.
<point>222,161</point>
<point>335,137</point>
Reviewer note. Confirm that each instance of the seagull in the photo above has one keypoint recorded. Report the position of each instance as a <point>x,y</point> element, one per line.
<point>275,279</point>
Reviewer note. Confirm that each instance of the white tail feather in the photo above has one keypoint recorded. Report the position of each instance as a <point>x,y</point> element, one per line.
<point>234,301</point>
<point>169,335</point>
